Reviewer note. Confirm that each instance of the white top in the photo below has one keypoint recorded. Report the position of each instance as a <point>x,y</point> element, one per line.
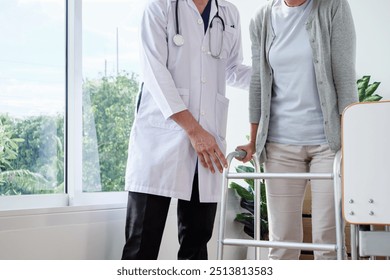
<point>296,116</point>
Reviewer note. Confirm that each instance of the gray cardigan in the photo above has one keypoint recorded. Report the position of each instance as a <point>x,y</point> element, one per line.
<point>333,40</point>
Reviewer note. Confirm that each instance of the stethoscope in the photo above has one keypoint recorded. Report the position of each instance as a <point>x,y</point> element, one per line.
<point>178,39</point>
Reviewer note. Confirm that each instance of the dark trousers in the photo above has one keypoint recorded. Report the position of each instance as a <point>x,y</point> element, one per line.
<point>145,222</point>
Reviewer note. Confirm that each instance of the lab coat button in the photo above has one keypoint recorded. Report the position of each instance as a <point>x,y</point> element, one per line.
<point>200,21</point>
<point>202,113</point>
<point>203,81</point>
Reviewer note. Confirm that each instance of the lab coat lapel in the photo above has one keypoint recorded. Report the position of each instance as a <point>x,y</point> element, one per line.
<point>192,5</point>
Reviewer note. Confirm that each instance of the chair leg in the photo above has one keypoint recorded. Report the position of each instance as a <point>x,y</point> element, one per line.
<point>354,242</point>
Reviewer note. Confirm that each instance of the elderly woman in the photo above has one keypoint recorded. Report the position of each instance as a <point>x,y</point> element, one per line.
<point>303,58</point>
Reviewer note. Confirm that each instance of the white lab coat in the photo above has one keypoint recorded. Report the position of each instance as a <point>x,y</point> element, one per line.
<point>161,160</point>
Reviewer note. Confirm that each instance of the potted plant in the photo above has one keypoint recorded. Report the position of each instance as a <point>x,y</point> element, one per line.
<point>366,90</point>
<point>246,193</point>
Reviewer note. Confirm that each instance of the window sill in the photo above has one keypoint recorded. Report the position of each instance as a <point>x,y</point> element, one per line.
<point>57,210</point>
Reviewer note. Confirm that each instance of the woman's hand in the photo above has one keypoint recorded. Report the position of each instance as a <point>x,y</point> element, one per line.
<point>250,149</point>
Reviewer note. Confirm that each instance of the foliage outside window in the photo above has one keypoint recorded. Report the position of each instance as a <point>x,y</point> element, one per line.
<point>32,94</point>
<point>32,143</point>
<point>31,164</point>
<point>32,155</point>
<point>108,114</point>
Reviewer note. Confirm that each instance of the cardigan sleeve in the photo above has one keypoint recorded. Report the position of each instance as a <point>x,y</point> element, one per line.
<point>255,85</point>
<point>343,54</point>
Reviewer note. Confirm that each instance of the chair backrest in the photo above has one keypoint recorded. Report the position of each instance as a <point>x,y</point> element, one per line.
<point>366,163</point>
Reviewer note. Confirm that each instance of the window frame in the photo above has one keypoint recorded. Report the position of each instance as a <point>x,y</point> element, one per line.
<point>73,194</point>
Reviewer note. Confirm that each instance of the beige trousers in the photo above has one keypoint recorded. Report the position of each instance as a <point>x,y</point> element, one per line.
<point>285,197</point>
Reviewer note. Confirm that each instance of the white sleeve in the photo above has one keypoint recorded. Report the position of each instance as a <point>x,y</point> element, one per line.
<point>154,55</point>
<point>237,74</point>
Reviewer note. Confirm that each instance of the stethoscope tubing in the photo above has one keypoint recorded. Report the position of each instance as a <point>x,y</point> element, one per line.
<point>177,17</point>
<point>178,38</point>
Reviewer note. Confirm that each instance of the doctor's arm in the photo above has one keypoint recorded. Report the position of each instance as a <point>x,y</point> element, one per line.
<point>203,142</point>
<point>154,56</point>
<point>237,74</point>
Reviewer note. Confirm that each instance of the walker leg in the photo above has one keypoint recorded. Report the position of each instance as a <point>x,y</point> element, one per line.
<point>222,217</point>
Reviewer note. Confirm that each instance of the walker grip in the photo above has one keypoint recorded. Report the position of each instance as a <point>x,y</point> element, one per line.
<point>239,154</point>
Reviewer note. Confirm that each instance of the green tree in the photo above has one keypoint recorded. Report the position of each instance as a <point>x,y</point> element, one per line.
<point>32,149</point>
<point>8,143</point>
<point>35,161</point>
<point>110,114</point>
<point>15,180</point>
<point>43,150</point>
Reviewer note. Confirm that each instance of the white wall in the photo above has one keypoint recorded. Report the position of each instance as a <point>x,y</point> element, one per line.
<point>372,23</point>
<point>63,233</point>
<point>98,232</point>
<point>90,232</point>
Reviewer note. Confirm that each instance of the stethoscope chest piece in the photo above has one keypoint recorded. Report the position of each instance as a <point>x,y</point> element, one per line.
<point>178,40</point>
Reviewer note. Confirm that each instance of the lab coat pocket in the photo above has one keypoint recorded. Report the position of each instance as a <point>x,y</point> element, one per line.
<point>221,111</point>
<point>158,120</point>
<point>228,41</point>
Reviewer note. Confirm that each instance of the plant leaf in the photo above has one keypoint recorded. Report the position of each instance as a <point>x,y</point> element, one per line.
<point>248,205</point>
<point>250,182</point>
<point>362,86</point>
<point>244,169</point>
<point>372,88</point>
<point>244,217</point>
<point>373,98</point>
<point>18,140</point>
<point>242,191</point>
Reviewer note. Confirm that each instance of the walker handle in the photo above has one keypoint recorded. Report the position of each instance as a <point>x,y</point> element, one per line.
<point>239,154</point>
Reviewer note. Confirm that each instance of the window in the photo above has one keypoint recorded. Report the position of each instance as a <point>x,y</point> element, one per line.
<point>110,84</point>
<point>32,94</point>
<point>68,83</point>
<point>69,76</point>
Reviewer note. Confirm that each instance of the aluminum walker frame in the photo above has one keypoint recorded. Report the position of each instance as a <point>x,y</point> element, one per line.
<point>339,247</point>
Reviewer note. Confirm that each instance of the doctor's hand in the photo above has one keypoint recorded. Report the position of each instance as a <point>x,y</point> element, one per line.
<point>207,149</point>
<point>203,142</point>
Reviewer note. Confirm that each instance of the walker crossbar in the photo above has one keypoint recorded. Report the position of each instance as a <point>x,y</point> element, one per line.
<point>280,244</point>
<point>324,176</point>
<point>257,242</point>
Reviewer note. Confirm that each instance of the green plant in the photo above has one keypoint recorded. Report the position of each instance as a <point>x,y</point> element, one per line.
<point>366,90</point>
<point>15,179</point>
<point>108,114</point>
<point>247,197</point>
<point>8,146</point>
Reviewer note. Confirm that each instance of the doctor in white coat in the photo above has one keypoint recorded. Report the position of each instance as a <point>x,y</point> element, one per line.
<point>190,49</point>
